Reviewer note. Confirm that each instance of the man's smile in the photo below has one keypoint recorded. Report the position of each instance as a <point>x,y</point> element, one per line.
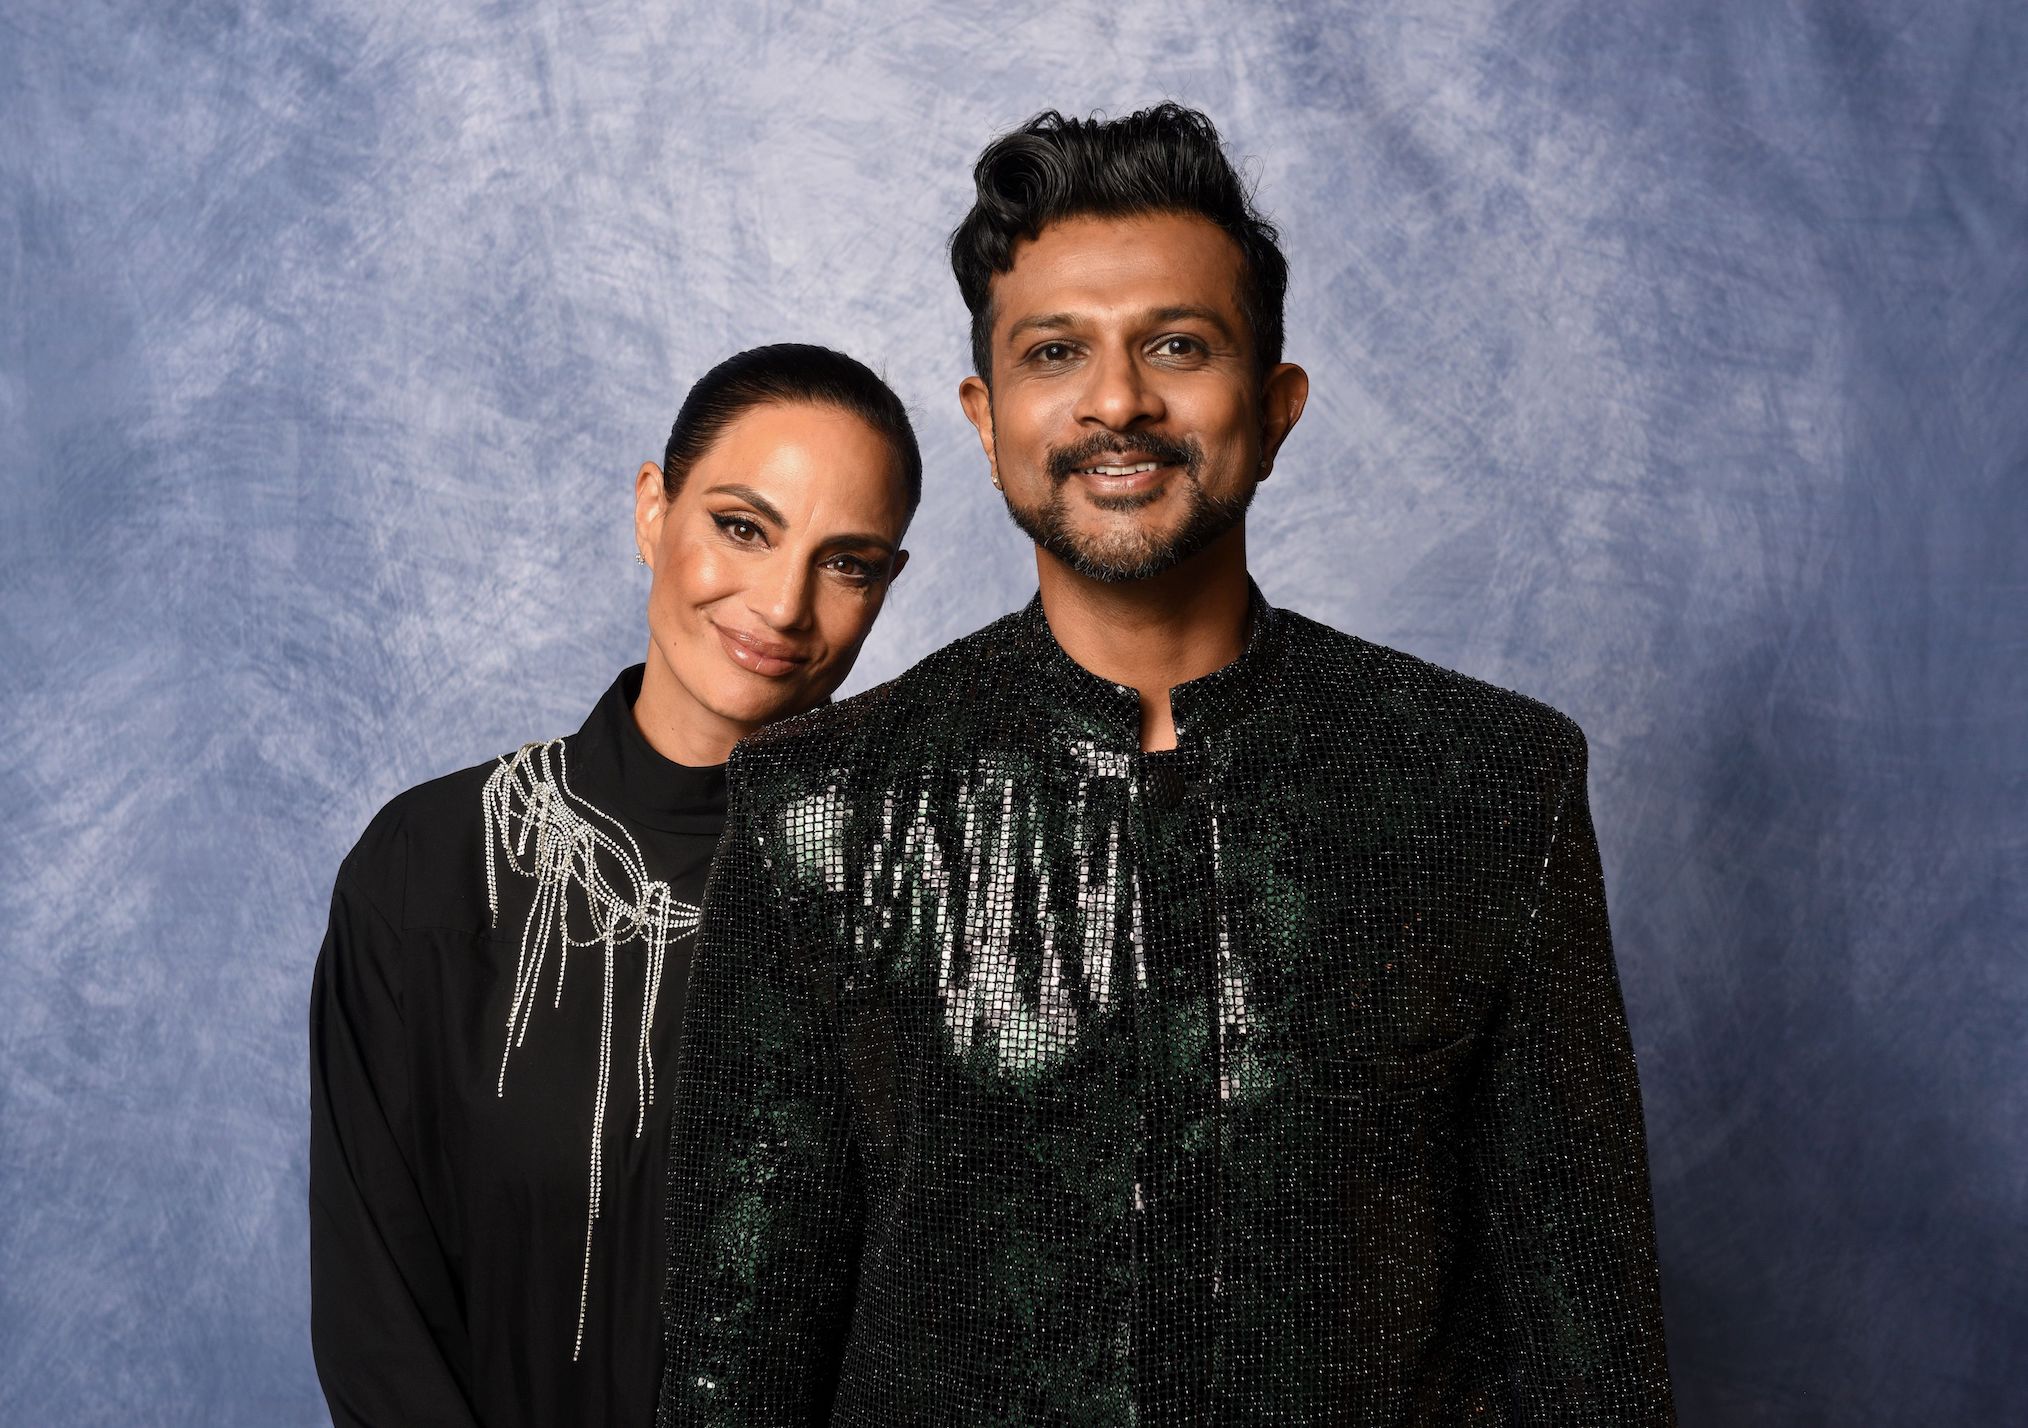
<point>1110,466</point>
<point>1118,468</point>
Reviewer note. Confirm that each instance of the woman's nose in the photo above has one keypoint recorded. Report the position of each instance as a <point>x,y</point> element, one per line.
<point>782,598</point>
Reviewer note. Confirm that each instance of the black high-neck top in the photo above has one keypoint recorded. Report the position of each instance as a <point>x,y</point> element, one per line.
<point>458,1275</point>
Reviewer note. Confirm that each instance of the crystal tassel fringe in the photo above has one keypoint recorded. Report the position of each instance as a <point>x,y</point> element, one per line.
<point>592,889</point>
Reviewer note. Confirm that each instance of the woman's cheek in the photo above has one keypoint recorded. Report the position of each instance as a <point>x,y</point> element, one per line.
<point>703,574</point>
<point>837,617</point>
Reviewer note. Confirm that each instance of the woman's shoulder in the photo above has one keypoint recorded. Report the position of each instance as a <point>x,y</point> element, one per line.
<point>422,860</point>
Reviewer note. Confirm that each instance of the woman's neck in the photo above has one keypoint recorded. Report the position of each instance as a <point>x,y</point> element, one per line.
<point>676,725</point>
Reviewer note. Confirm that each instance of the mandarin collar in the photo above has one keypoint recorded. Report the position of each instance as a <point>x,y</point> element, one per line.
<point>1109,714</point>
<point>616,767</point>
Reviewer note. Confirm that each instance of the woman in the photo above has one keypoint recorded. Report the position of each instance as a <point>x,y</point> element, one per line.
<point>498,997</point>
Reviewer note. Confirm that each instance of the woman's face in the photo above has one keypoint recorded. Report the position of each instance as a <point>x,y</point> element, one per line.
<point>770,564</point>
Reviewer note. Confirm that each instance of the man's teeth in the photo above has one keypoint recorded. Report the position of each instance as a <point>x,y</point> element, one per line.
<point>1133,470</point>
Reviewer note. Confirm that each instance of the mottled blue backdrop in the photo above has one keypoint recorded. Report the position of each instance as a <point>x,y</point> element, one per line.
<point>1669,365</point>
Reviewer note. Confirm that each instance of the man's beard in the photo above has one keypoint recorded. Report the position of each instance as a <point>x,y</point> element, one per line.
<point>1130,554</point>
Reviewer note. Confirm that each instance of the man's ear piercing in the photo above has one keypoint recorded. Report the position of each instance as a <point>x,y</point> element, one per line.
<point>639,559</point>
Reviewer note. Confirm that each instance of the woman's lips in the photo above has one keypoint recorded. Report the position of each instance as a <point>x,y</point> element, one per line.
<point>764,657</point>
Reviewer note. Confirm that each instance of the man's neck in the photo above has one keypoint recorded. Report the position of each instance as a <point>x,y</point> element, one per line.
<point>1152,635</point>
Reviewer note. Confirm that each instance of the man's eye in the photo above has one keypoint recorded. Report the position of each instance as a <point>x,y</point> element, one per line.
<point>1053,352</point>
<point>1179,347</point>
<point>738,528</point>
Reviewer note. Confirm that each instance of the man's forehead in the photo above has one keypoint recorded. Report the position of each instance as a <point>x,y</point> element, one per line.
<point>1086,268</point>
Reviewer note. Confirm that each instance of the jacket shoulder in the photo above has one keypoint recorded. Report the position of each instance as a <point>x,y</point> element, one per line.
<point>1416,700</point>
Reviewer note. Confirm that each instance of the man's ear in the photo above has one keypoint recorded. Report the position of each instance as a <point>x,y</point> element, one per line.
<point>1282,398</point>
<point>977,400</point>
<point>649,507</point>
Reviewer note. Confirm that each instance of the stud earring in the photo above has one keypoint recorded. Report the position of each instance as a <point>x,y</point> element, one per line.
<point>639,559</point>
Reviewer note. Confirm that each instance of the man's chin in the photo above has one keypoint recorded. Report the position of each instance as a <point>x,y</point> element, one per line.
<point>1123,504</point>
<point>1125,541</point>
<point>1114,561</point>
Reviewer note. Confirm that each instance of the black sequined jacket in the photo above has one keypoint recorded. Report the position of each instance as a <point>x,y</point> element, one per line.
<point>1279,1079</point>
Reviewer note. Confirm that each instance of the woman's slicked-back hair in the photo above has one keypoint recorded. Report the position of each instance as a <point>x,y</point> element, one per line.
<point>780,374</point>
<point>1166,159</point>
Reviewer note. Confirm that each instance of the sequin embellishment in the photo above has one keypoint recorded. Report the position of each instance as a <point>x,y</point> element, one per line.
<point>1279,1078</point>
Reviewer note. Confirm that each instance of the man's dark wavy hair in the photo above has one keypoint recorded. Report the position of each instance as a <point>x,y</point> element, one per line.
<point>1166,159</point>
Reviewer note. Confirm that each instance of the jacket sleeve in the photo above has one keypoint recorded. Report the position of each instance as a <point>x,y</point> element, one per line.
<point>385,1322</point>
<point>1561,1161</point>
<point>765,1206</point>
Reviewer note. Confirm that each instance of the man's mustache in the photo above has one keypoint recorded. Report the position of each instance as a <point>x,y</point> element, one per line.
<point>1065,461</point>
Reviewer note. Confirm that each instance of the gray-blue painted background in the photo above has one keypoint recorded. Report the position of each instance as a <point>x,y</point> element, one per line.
<point>1669,365</point>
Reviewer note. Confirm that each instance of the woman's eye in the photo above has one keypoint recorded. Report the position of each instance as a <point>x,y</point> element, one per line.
<point>738,528</point>
<point>859,572</point>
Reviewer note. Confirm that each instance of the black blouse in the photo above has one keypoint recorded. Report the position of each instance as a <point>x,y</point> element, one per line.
<point>505,970</point>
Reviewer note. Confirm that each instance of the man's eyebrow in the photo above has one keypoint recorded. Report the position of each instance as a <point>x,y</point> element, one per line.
<point>1174,312</point>
<point>1191,312</point>
<point>752,498</point>
<point>1042,322</point>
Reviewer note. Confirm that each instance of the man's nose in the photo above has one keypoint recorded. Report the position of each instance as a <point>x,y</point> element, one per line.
<point>1118,394</point>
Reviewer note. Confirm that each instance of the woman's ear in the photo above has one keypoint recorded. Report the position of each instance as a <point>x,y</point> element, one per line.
<point>649,506</point>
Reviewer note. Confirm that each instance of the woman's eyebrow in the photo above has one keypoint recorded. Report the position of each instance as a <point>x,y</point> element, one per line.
<point>753,498</point>
<point>842,542</point>
<point>768,512</point>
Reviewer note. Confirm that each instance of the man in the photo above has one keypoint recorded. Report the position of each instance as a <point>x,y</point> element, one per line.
<point>1156,1008</point>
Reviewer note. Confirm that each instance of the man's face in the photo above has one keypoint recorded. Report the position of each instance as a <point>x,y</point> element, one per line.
<point>1128,421</point>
